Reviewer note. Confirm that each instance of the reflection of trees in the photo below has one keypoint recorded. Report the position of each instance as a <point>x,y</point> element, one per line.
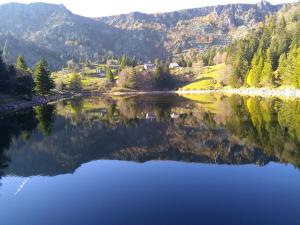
<point>77,105</point>
<point>45,115</point>
<point>209,119</point>
<point>14,125</point>
<point>105,131</point>
<point>271,124</point>
<point>128,108</point>
<point>253,130</point>
<point>162,113</point>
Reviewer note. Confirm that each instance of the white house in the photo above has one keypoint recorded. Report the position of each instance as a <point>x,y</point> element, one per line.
<point>149,66</point>
<point>173,65</point>
<point>175,116</point>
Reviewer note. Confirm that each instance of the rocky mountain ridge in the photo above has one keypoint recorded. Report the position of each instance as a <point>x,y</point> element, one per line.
<point>52,31</point>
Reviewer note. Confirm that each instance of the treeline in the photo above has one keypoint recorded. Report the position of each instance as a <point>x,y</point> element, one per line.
<point>21,81</point>
<point>140,79</point>
<point>270,56</point>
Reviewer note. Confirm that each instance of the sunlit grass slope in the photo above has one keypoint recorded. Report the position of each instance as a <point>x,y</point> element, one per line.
<point>209,79</point>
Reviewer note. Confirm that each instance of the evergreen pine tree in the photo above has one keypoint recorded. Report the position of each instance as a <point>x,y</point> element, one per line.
<point>21,64</point>
<point>282,79</point>
<point>132,79</point>
<point>42,79</point>
<point>297,71</point>
<point>124,62</point>
<point>253,75</point>
<point>3,68</point>
<point>109,74</point>
<point>267,72</point>
<point>4,75</point>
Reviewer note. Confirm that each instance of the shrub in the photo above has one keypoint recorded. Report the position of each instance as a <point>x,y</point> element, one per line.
<point>75,82</point>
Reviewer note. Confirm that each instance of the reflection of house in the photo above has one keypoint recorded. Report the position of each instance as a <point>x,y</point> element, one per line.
<point>103,113</point>
<point>100,72</point>
<point>150,116</point>
<point>149,66</point>
<point>175,116</point>
<point>114,67</point>
<point>173,65</point>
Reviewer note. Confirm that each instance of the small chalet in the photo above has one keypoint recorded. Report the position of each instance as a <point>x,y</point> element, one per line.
<point>174,65</point>
<point>149,66</point>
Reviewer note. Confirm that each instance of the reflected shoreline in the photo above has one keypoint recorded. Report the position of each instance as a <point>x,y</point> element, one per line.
<point>254,92</point>
<point>261,92</point>
<point>212,129</point>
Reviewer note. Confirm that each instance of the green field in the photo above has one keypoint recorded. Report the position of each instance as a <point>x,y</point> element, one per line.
<point>210,78</point>
<point>89,83</point>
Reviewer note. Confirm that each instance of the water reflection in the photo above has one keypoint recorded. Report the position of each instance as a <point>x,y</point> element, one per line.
<point>57,139</point>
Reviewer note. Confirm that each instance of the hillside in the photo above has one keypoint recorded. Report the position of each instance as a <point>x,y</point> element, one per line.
<point>52,31</point>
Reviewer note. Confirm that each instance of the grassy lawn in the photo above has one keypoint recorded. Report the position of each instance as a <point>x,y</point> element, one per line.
<point>208,79</point>
<point>89,83</point>
<point>92,83</point>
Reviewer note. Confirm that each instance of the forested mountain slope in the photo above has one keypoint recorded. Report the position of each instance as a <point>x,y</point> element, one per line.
<point>54,32</point>
<point>270,56</point>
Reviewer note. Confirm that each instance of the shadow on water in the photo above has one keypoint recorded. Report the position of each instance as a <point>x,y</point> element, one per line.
<point>57,139</point>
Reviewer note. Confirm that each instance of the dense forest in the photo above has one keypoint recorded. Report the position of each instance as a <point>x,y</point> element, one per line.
<point>269,56</point>
<point>21,81</point>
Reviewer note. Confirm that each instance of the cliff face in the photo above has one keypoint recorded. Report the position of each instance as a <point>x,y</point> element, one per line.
<point>54,32</point>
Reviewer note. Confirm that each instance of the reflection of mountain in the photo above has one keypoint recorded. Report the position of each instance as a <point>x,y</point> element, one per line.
<point>66,149</point>
<point>78,138</point>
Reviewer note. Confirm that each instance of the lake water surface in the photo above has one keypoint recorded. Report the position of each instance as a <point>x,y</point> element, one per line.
<point>157,160</point>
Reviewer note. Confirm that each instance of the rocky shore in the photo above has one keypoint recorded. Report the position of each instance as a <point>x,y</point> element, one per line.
<point>35,101</point>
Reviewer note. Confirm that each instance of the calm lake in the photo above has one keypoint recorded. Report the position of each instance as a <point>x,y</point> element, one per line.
<point>157,160</point>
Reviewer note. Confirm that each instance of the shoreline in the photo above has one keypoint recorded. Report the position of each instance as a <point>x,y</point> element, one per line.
<point>37,101</point>
<point>261,92</point>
